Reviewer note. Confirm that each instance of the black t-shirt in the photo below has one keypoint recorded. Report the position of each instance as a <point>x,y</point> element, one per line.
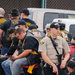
<point>30,42</point>
<point>2,20</point>
<point>13,46</point>
<point>29,21</point>
<point>6,41</point>
<point>6,25</point>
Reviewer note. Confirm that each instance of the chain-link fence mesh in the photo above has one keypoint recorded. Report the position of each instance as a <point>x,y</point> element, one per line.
<point>61,4</point>
<point>8,5</point>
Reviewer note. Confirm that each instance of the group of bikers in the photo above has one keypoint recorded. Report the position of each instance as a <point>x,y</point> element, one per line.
<point>23,44</point>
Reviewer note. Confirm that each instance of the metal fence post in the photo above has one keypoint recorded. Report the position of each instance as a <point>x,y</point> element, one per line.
<point>43,3</point>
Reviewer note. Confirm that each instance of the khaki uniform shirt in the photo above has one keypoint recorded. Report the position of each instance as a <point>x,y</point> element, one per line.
<point>47,46</point>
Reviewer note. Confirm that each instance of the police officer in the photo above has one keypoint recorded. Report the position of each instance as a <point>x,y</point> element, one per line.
<point>48,51</point>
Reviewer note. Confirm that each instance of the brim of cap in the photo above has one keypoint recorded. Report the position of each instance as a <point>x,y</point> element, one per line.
<point>14,14</point>
<point>33,26</point>
<point>55,26</point>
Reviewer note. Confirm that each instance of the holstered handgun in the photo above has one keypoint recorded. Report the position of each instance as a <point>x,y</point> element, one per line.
<point>59,57</point>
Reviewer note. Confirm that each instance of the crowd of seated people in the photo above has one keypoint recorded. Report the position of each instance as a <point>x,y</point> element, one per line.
<point>20,38</point>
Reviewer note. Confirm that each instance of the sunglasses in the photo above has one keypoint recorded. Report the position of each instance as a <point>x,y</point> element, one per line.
<point>48,28</point>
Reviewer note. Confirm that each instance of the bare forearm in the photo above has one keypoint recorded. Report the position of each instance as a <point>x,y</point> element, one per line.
<point>63,63</point>
<point>67,56</point>
<point>24,53</point>
<point>47,59</point>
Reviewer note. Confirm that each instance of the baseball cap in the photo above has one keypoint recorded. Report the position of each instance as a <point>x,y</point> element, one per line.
<point>55,25</point>
<point>25,11</point>
<point>21,22</point>
<point>11,30</point>
<point>14,12</point>
<point>32,26</point>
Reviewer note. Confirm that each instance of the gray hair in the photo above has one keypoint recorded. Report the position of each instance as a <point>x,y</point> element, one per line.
<point>2,11</point>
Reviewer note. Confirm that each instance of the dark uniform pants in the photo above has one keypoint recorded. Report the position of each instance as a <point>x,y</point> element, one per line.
<point>49,71</point>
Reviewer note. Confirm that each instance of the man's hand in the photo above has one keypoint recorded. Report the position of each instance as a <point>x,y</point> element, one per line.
<point>55,69</point>
<point>9,59</point>
<point>63,64</point>
<point>47,60</point>
<point>1,55</point>
<point>14,57</point>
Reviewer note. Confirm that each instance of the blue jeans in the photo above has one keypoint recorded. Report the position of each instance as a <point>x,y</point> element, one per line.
<point>4,50</point>
<point>6,67</point>
<point>14,67</point>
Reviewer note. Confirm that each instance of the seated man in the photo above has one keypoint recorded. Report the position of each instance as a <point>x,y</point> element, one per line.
<point>27,45</point>
<point>11,49</point>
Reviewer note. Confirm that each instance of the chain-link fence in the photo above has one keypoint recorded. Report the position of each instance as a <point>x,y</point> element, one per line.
<point>61,4</point>
<point>8,5</point>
